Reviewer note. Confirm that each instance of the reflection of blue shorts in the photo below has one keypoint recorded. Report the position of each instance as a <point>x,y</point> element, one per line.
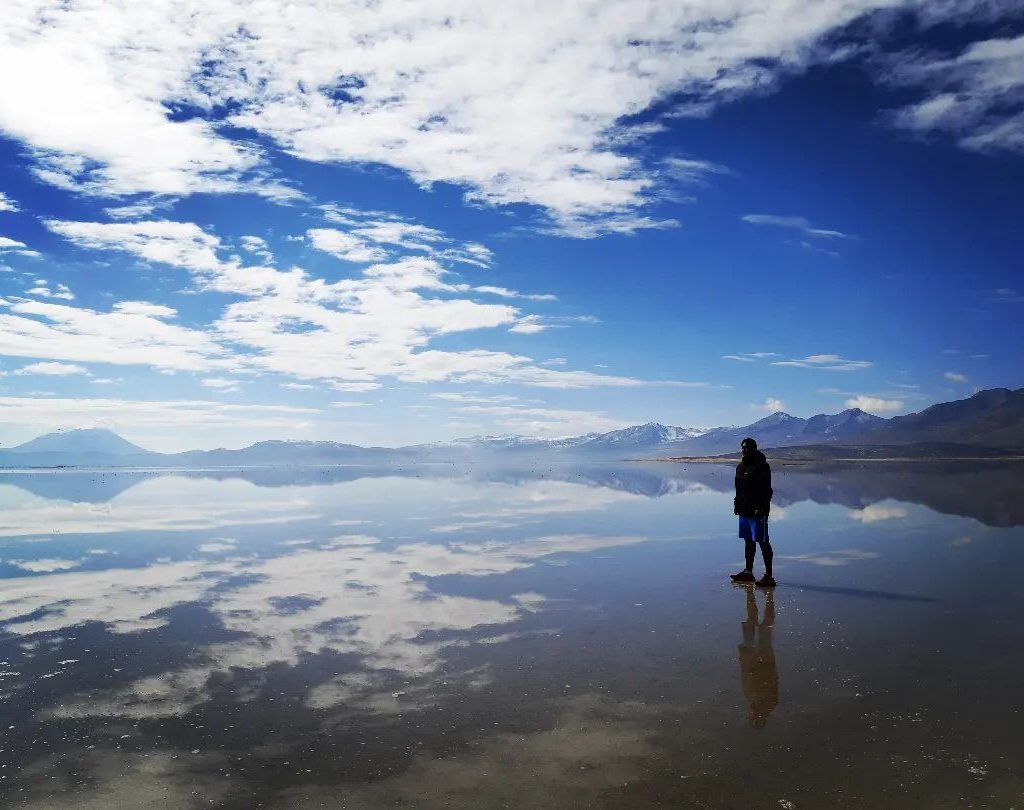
<point>754,528</point>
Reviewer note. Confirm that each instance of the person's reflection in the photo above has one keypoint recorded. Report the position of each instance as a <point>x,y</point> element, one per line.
<point>758,673</point>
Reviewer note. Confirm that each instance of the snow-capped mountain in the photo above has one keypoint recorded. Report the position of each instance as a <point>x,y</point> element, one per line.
<point>993,419</point>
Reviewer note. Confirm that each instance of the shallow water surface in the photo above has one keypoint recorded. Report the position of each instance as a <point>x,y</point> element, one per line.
<point>551,637</point>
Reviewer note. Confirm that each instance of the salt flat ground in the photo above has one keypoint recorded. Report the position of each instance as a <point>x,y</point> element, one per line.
<point>541,637</point>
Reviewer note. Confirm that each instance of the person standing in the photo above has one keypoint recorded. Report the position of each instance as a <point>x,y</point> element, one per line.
<point>753,502</point>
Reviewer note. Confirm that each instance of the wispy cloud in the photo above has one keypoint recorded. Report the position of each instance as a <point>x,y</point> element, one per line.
<point>828,362</point>
<point>831,559</point>
<point>1007,295</point>
<point>48,413</point>
<point>794,223</point>
<point>544,422</point>
<point>749,357</point>
<point>7,204</point>
<point>976,95</point>
<point>955,376</point>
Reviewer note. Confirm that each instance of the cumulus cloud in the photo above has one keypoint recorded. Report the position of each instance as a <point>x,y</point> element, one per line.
<point>955,376</point>
<point>875,404</point>
<point>350,332</point>
<point>772,405</point>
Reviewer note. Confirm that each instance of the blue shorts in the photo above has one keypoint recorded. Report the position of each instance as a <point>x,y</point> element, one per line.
<point>754,528</point>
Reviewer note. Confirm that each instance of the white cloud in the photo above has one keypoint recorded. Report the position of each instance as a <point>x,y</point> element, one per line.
<point>976,96</point>
<point>179,244</point>
<point>876,512</point>
<point>772,405</point>
<point>458,396</point>
<point>44,566</point>
<point>257,246</point>
<point>354,387</point>
<point>145,309</point>
<point>692,171</point>
<point>128,337</point>
<point>1007,295</point>
<point>345,246</point>
<point>955,376</point>
<point>52,369</point>
<point>374,235</point>
<point>134,210</point>
<point>529,325</point>
<point>874,404</point>
<point>545,422</point>
<point>291,386</point>
<point>131,98</point>
<point>62,291</point>
<point>829,362</point>
<point>7,204</point>
<point>794,223</point>
<point>8,245</point>
<point>749,357</point>
<point>126,414</point>
<point>831,559</point>
<point>502,292</point>
<point>352,331</point>
<point>220,384</point>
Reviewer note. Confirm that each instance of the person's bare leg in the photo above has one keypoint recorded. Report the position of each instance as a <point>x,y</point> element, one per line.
<point>766,555</point>
<point>749,552</point>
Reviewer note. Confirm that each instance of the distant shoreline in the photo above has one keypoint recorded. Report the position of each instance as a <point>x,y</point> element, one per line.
<point>795,462</point>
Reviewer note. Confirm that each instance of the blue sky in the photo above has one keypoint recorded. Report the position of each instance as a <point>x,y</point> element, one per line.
<point>392,224</point>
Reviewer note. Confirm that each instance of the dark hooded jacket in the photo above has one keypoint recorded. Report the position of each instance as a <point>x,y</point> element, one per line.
<point>753,485</point>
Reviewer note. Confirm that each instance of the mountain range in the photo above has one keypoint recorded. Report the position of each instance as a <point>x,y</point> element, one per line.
<point>989,423</point>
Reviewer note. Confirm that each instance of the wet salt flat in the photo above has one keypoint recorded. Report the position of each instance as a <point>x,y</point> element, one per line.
<point>544,638</point>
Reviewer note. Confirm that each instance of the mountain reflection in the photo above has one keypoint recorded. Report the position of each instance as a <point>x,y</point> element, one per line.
<point>467,637</point>
<point>990,492</point>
